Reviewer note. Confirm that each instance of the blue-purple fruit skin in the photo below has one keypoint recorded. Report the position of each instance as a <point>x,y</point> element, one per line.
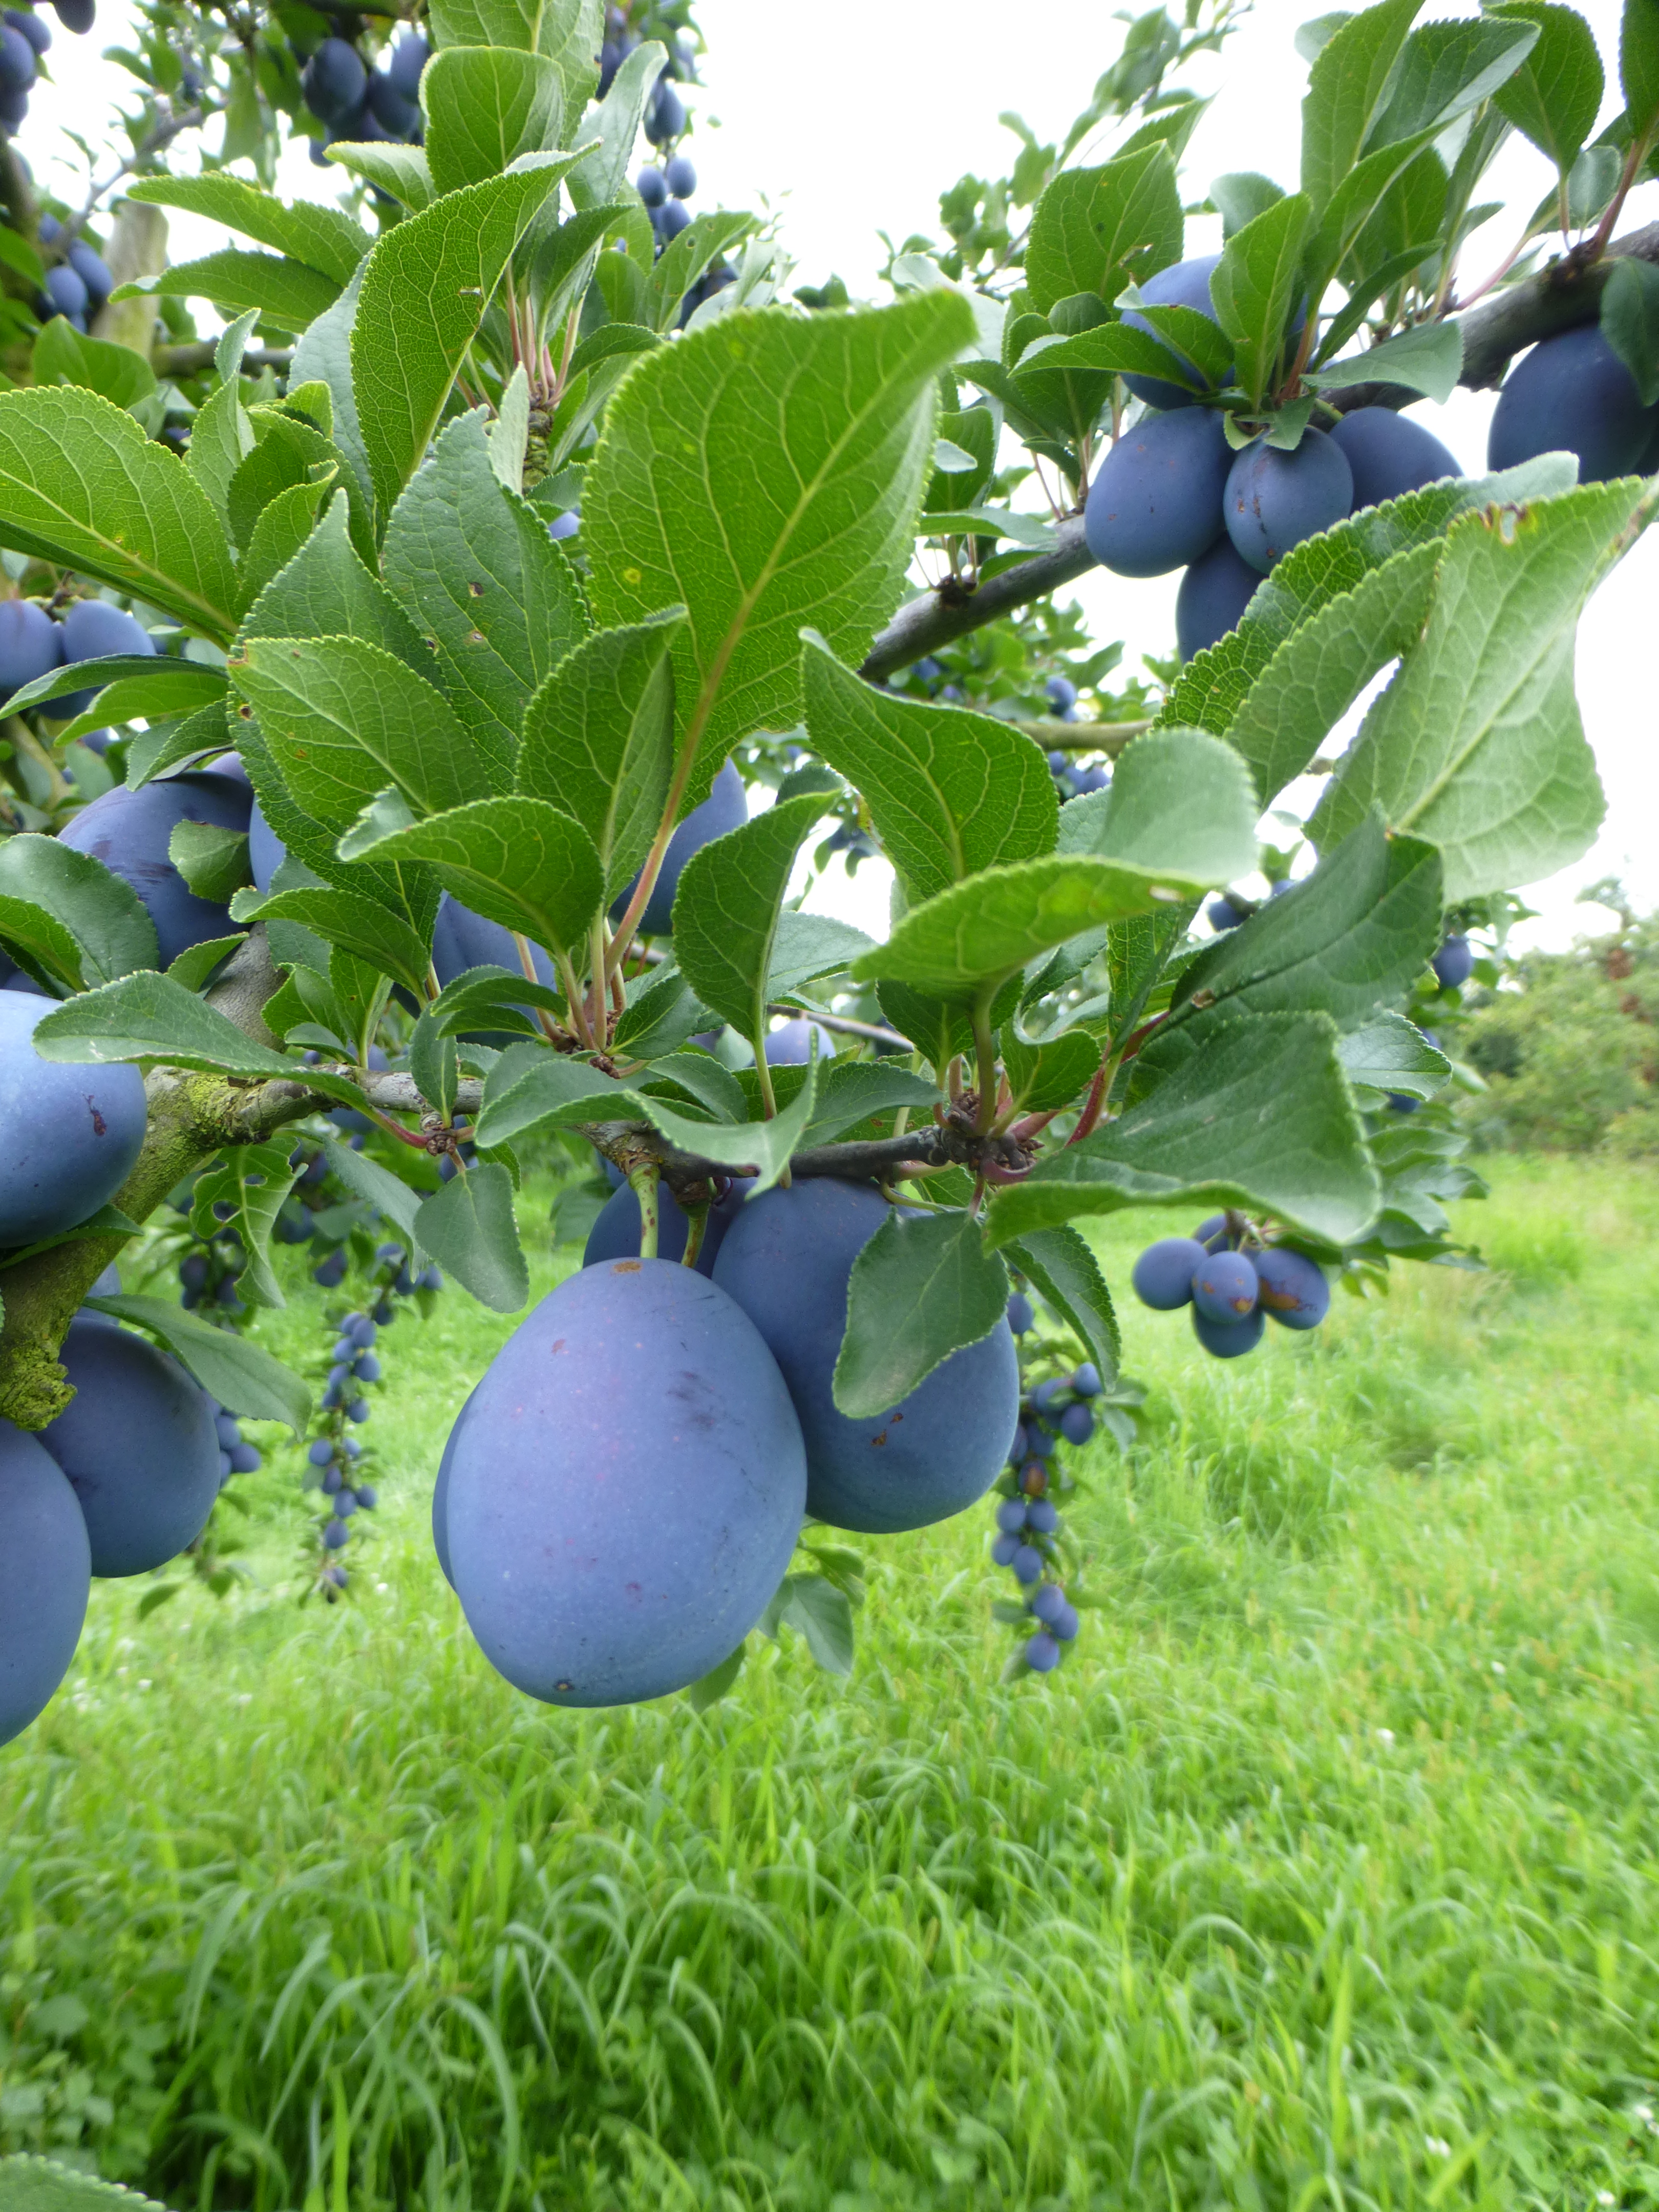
<point>1389,455</point>
<point>1214,592</point>
<point>1042,1653</point>
<point>73,1132</point>
<point>46,1569</point>
<point>790,1044</point>
<point>265,849</point>
<point>726,808</point>
<point>1229,1340</point>
<point>334,80</point>
<point>1155,501</point>
<point>651,186</point>
<point>1077,1425</point>
<point>408,58</point>
<point>138,1443</point>
<point>128,830</point>
<point>786,1261</point>
<point>1020,1316</point>
<point>1048,1603</point>
<point>1292,1289</point>
<point>616,1234</point>
<point>1275,500</point>
<point>31,645</point>
<point>1042,1515</point>
<point>1454,964</point>
<point>627,1487</point>
<point>1571,394</point>
<point>1163,1275</point>
<point>1224,1287</point>
<point>1183,284</point>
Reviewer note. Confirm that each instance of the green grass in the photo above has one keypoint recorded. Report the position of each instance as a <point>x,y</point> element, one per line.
<point>1322,1874</point>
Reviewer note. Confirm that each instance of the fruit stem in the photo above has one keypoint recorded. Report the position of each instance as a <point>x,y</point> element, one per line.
<point>696,1219</point>
<point>527,964</point>
<point>643,1181</point>
<point>985,1055</point>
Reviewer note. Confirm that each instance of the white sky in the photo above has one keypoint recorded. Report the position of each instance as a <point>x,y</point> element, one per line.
<point>850,121</point>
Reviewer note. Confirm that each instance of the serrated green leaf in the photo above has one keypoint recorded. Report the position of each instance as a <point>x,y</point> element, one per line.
<point>282,527</point>
<point>244,1377</point>
<point>852,1090</point>
<point>1241,196</point>
<point>70,920</point>
<point>1447,68</point>
<point>305,230</point>
<point>484,107</point>
<point>765,1147</point>
<point>726,909</point>
<point>1638,62</point>
<point>150,753</point>
<point>353,921</point>
<point>1427,359</point>
<point>763,473</point>
<point>153,1020</point>
<point>1046,1076</point>
<point>287,292</point>
<point>324,356</point>
<point>517,861</point>
<point>1348,88</point>
<point>195,964</point>
<point>1391,1054</point>
<point>530,1087</point>
<point>1477,745</point>
<point>39,2184</point>
<point>493,997</point>
<point>253,1180</point>
<point>1629,321</point>
<point>63,354</point>
<point>425,288</point>
<point>1095,230</point>
<point>807,946</point>
<point>950,792</point>
<point>920,1288</point>
<point>607,135</point>
<point>823,1615</point>
<point>705,241</point>
<point>663,1012</point>
<point>389,1193</point>
<point>599,741</point>
<point>212,861</point>
<point>1261,1118</point>
<point>1257,285</point>
<point>81,485</point>
<point>170,687</point>
<point>1065,1272</point>
<point>469,1229</point>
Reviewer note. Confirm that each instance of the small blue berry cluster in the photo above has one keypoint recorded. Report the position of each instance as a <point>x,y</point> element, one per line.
<point>23,39</point>
<point>209,1271</point>
<point>77,284</point>
<point>1029,1530</point>
<point>1233,1282</point>
<point>359,105</point>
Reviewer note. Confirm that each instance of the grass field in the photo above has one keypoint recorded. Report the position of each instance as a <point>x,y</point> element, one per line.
<point>1323,1873</point>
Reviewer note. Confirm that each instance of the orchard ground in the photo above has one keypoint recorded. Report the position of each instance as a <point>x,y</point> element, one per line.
<point>1323,1871</point>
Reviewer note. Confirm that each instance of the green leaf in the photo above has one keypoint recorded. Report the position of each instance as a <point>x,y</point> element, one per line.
<point>1064,1271</point>
<point>920,1288</point>
<point>1261,1118</point>
<point>286,292</point>
<point>1095,230</point>
<point>517,861</point>
<point>68,918</point>
<point>195,966</point>
<point>252,1179</point>
<point>763,1147</point>
<point>610,130</point>
<point>1391,1053</point>
<point>213,861</point>
<point>153,1020</point>
<point>343,718</point>
<point>705,241</point>
<point>568,30</point>
<point>324,356</point>
<point>468,1227</point>
<point>817,1610</point>
<point>401,171</point>
<point>1629,321</point>
<point>598,740</point>
<point>245,1379</point>
<point>726,908</point>
<point>663,1013</point>
<point>425,288</point>
<point>355,921</point>
<point>63,354</point>
<point>81,485</point>
<point>305,230</point>
<point>171,686</point>
<point>1348,88</point>
<point>1428,359</point>
<point>807,946</point>
<point>530,1087</point>
<point>856,1090</point>
<point>1240,197</point>
<point>150,753</point>
<point>950,792</point>
<point>1256,283</point>
<point>485,106</point>
<point>473,564</point>
<point>281,528</point>
<point>719,1679</point>
<point>1046,1076</point>
<point>362,1173</point>
<point>1447,68</point>
<point>39,2184</point>
<point>1477,744</point>
<point>1555,96</point>
<point>765,473</point>
<point>1638,62</point>
<point>492,998</point>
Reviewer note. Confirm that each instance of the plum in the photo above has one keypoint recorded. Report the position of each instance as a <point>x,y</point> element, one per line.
<point>462,939</point>
<point>790,1045</point>
<point>1163,1275</point>
<point>1454,964</point>
<point>17,67</point>
<point>1020,1314</point>
<point>46,1569</point>
<point>39,35</point>
<point>1061,695</point>
<point>787,1259</point>
<point>1222,915</point>
<point>616,1234</point>
<point>1155,501</point>
<point>1389,454</point>
<point>681,177</point>
<point>31,645</point>
<point>92,270</point>
<point>1291,1288</point>
<point>1213,595</point>
<point>1273,500</point>
<point>726,808</point>
<point>408,59</point>
<point>1184,284</point>
<point>138,1442</point>
<point>626,1487</point>
<point>91,629</point>
<point>128,830</point>
<point>1224,1287</point>
<point>1228,1340</point>
<point>334,81</point>
<point>651,186</point>
<point>73,1132</point>
<point>1571,394</point>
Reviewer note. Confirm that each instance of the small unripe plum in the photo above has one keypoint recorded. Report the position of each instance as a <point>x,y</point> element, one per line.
<point>1228,1340</point>
<point>1047,1602</point>
<point>1184,284</point>
<point>627,1486</point>
<point>1077,1425</point>
<point>1571,394</point>
<point>334,80</point>
<point>1454,964</point>
<point>73,1132</point>
<point>1389,454</point>
<point>138,1443</point>
<point>1224,1287</point>
<point>1042,1653</point>
<point>616,1234</point>
<point>31,644</point>
<point>128,831</point>
<point>790,1045</point>
<point>787,1259</point>
<point>726,808</point>
<point>1027,1564</point>
<point>1163,1275</point>
<point>1042,1515</point>
<point>1213,595</point>
<point>1086,1381</point>
<point>1292,1288</point>
<point>1273,500</point>
<point>1020,1316</point>
<point>45,1570</point>
<point>1155,501</point>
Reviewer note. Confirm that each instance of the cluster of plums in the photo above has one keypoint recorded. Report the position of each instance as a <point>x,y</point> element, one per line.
<point>359,105</point>
<point>77,286</point>
<point>1029,1526</point>
<point>664,113</point>
<point>620,1496</point>
<point>1232,1281</point>
<point>33,644</point>
<point>333,1453</point>
<point>122,1481</point>
<point>23,39</point>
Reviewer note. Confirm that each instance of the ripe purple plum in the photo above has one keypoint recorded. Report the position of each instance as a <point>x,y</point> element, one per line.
<point>128,831</point>
<point>1163,1275</point>
<point>1184,284</point>
<point>1214,592</point>
<point>1571,394</point>
<point>616,1234</point>
<point>1389,454</point>
<point>1155,501</point>
<point>73,1132</point>
<point>1292,1288</point>
<point>45,1570</point>
<point>726,808</point>
<point>1275,500</point>
<point>1224,1287</point>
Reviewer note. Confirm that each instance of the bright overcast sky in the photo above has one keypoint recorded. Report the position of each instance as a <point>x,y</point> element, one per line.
<point>850,121</point>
